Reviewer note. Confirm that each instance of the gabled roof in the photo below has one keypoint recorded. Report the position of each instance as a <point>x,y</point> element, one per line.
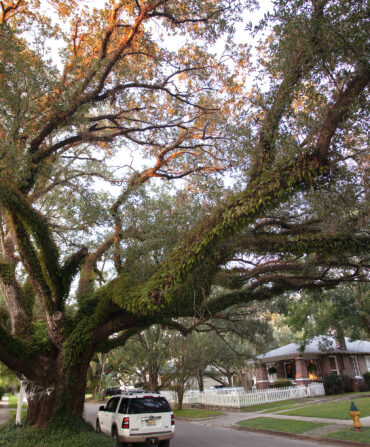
<point>315,346</point>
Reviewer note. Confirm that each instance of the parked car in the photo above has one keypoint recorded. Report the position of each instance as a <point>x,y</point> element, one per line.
<point>137,418</point>
<point>112,391</point>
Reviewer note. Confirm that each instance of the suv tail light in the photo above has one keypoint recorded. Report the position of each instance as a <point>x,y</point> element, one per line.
<point>172,419</point>
<point>126,422</point>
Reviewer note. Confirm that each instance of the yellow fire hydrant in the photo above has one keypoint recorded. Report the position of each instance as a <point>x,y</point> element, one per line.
<point>355,415</point>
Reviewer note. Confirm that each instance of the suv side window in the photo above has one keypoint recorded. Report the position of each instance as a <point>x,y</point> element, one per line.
<point>123,406</point>
<point>112,404</point>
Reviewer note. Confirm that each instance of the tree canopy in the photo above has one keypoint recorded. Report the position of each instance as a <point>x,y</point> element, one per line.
<point>261,146</point>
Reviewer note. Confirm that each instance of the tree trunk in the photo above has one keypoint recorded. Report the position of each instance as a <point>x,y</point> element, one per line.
<point>64,395</point>
<point>229,376</point>
<point>201,380</point>
<point>180,390</point>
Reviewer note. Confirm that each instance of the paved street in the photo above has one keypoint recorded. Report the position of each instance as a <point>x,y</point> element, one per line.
<point>191,434</point>
<point>201,434</point>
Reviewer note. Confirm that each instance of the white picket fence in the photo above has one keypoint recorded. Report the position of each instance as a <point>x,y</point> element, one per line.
<point>237,398</point>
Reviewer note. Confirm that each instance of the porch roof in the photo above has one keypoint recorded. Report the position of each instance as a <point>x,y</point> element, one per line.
<point>316,346</point>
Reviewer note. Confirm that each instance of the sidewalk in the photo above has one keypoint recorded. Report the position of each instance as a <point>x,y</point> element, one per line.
<point>4,410</point>
<point>230,419</point>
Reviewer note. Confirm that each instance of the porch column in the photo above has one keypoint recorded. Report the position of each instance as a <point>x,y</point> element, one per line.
<point>301,373</point>
<point>262,377</point>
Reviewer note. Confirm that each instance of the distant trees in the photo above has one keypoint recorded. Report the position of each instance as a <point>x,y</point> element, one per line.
<point>343,311</point>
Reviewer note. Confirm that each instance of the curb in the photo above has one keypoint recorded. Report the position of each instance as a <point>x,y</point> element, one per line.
<point>316,439</point>
<point>180,418</point>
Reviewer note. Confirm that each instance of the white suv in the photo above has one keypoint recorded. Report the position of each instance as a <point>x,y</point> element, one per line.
<point>137,418</point>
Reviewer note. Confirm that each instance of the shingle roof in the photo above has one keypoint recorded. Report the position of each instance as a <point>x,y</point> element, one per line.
<point>317,345</point>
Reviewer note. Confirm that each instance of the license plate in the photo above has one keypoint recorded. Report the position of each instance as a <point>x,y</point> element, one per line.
<point>150,422</point>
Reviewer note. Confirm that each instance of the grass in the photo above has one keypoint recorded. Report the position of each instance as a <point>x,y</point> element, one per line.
<point>13,403</point>
<point>196,413</point>
<point>333,410</point>
<point>293,404</point>
<point>351,435</point>
<point>67,433</point>
<point>276,406</point>
<point>282,425</point>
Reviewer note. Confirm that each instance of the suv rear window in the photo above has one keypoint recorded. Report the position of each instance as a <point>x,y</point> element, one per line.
<point>148,405</point>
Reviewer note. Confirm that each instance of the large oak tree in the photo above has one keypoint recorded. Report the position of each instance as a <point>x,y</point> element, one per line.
<point>80,267</point>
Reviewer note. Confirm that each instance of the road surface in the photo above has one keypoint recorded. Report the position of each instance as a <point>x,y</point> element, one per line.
<point>191,434</point>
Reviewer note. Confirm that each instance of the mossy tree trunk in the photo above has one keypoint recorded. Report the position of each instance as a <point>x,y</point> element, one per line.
<point>53,389</point>
<point>64,396</point>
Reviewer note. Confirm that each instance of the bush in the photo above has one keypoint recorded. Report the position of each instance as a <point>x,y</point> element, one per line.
<point>66,433</point>
<point>334,384</point>
<point>367,379</point>
<point>282,383</point>
<point>347,383</point>
<point>2,391</point>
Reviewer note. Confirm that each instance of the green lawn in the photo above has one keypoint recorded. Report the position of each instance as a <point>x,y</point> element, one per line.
<point>283,425</point>
<point>333,410</point>
<point>294,403</point>
<point>351,435</point>
<point>196,413</point>
<point>13,402</point>
<point>275,406</point>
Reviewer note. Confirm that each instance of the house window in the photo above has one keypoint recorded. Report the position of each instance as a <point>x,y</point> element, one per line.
<point>368,362</point>
<point>271,372</point>
<point>333,365</point>
<point>355,367</point>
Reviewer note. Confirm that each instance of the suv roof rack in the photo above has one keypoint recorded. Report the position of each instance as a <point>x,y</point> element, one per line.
<point>134,392</point>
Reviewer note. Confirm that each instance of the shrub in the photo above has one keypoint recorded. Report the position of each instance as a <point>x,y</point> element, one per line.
<point>367,379</point>
<point>347,383</point>
<point>334,384</point>
<point>282,383</point>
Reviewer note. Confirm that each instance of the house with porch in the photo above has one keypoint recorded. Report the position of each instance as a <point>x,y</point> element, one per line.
<point>320,357</point>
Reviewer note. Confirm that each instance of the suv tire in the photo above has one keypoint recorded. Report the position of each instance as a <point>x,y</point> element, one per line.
<point>165,443</point>
<point>116,441</point>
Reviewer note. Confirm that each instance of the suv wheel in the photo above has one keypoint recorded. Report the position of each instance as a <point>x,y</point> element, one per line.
<point>165,443</point>
<point>116,441</point>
